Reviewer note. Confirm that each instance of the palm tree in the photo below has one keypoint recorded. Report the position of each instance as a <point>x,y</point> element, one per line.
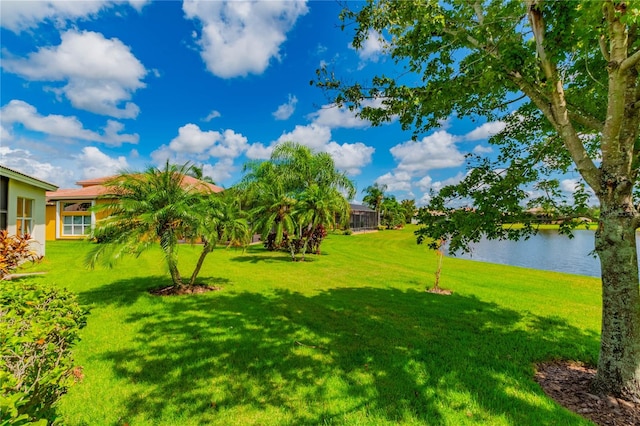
<point>317,208</point>
<point>274,213</point>
<point>301,168</point>
<point>156,206</point>
<point>294,194</point>
<point>375,196</point>
<point>222,221</point>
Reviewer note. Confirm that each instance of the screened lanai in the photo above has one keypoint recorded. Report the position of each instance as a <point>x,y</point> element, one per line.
<point>362,218</point>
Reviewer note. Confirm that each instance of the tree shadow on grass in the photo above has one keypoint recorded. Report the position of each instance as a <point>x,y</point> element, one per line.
<point>346,355</point>
<point>127,292</point>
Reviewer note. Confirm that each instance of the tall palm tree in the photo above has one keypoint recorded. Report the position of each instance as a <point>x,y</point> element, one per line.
<point>375,197</point>
<point>144,209</point>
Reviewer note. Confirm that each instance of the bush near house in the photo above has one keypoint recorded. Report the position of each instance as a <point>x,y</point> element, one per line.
<point>14,250</point>
<point>38,326</point>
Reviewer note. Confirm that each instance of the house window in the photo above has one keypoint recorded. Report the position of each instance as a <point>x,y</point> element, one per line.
<point>4,202</point>
<point>24,216</point>
<point>76,225</point>
<point>76,218</point>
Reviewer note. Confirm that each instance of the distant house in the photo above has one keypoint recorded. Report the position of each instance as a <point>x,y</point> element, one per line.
<point>22,205</point>
<point>69,214</point>
<point>362,218</point>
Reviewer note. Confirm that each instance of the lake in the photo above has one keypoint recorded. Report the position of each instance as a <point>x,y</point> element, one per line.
<point>547,250</point>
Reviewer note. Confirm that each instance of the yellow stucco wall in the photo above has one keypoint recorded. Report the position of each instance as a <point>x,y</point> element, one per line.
<point>51,222</point>
<point>54,222</point>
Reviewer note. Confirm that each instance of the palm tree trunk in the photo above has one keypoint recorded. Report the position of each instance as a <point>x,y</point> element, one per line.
<point>206,249</point>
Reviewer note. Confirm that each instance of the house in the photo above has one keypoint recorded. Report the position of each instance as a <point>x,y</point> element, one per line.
<point>362,218</point>
<point>22,206</point>
<point>69,213</point>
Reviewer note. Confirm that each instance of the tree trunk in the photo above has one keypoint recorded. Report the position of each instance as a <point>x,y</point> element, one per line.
<point>619,361</point>
<point>206,249</point>
<point>175,274</point>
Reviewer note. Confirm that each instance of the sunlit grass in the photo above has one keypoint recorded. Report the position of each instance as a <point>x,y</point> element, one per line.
<point>349,337</point>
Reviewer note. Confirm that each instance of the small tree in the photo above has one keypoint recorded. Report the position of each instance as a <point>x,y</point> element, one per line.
<point>157,207</point>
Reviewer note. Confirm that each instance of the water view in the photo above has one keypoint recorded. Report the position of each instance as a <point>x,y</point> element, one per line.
<point>548,250</point>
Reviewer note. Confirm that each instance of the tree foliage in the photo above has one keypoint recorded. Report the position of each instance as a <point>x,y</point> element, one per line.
<point>160,207</point>
<point>563,78</point>
<point>38,327</point>
<point>15,250</point>
<point>295,196</point>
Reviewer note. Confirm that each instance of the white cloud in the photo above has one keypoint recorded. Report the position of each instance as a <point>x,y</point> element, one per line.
<point>485,131</point>
<point>350,157</point>
<point>240,38</point>
<point>398,181</point>
<point>204,144</point>
<point>195,145</point>
<point>23,161</point>
<point>21,15</point>
<point>101,74</point>
<point>425,183</point>
<point>371,48</point>
<point>94,163</point>
<point>313,135</point>
<point>5,135</point>
<point>481,149</point>
<point>287,109</point>
<point>570,185</point>
<point>334,117</point>
<point>192,140</point>
<point>220,171</point>
<point>258,151</point>
<point>230,145</point>
<point>436,151</point>
<point>453,180</point>
<point>17,111</point>
<point>213,114</point>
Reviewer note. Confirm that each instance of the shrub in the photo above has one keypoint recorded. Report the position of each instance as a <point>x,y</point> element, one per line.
<point>14,250</point>
<point>347,232</point>
<point>38,327</point>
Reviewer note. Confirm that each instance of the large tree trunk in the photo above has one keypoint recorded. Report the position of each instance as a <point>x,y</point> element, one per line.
<point>619,361</point>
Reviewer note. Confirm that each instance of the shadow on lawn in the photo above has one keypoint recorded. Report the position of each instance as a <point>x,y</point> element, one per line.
<point>361,355</point>
<point>127,292</point>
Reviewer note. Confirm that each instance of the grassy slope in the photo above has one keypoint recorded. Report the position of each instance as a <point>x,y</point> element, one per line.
<point>347,338</point>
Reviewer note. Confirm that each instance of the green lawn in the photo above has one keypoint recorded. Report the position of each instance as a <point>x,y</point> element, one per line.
<point>349,337</point>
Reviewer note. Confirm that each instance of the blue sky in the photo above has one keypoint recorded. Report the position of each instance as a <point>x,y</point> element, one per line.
<point>89,88</point>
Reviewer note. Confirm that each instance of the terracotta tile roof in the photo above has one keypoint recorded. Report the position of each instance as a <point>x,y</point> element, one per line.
<point>93,188</point>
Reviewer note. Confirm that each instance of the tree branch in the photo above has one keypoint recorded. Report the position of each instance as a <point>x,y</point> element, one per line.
<point>631,61</point>
<point>557,111</point>
<point>603,48</point>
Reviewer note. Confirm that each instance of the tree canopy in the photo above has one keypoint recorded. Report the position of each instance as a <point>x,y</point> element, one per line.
<point>295,195</point>
<point>563,77</point>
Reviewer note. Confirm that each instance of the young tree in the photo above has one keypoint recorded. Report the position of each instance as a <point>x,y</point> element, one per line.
<point>563,76</point>
<point>156,206</point>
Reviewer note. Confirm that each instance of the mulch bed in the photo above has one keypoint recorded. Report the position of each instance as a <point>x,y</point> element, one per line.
<point>177,291</point>
<point>568,383</point>
<point>441,291</point>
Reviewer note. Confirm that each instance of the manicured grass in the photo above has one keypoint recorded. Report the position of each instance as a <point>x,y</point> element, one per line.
<point>349,337</point>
